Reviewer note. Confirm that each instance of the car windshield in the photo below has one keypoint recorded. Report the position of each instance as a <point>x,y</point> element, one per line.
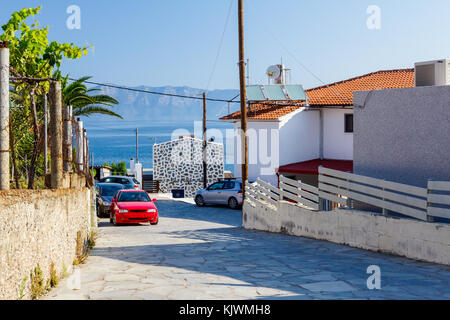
<point>134,197</point>
<point>109,191</point>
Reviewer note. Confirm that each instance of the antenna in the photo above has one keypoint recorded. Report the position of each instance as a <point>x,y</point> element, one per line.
<point>274,72</point>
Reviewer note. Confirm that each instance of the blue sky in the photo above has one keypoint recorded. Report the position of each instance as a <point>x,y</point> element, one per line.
<point>174,42</point>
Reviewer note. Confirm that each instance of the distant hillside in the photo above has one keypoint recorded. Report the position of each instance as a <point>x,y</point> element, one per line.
<point>136,106</point>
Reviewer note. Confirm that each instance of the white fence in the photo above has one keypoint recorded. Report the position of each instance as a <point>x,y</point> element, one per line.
<point>290,190</point>
<point>343,188</point>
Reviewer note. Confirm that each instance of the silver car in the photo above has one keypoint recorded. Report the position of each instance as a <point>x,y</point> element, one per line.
<point>228,192</point>
<point>128,182</point>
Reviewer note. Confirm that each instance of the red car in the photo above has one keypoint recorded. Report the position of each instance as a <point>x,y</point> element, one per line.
<point>133,206</point>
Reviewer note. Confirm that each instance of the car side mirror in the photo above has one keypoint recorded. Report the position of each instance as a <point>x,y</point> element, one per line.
<point>154,200</point>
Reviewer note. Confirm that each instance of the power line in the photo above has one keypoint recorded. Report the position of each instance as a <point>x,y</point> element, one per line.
<point>220,46</point>
<point>155,92</point>
<point>299,62</point>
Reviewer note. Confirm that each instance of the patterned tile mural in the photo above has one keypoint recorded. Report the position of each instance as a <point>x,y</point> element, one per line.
<point>178,164</point>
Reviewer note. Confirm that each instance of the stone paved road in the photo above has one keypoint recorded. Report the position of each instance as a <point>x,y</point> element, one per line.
<point>203,253</point>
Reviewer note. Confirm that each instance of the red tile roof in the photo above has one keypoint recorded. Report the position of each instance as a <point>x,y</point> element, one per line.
<point>312,166</point>
<point>341,93</point>
<point>334,94</point>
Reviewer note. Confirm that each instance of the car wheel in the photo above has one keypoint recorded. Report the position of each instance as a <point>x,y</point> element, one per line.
<point>199,201</point>
<point>155,223</point>
<point>232,203</point>
<point>98,212</point>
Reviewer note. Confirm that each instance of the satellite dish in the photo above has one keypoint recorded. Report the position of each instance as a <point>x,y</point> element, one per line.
<point>273,72</point>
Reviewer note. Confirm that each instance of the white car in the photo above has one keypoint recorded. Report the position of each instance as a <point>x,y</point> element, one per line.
<point>227,192</point>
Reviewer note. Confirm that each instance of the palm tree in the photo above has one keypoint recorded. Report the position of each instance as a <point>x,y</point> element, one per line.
<point>78,96</point>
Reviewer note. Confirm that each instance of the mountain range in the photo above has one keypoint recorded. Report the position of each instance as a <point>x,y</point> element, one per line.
<point>140,106</point>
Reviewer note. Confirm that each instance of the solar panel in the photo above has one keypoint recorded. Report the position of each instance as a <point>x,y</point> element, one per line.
<point>295,92</point>
<point>275,92</point>
<point>254,93</point>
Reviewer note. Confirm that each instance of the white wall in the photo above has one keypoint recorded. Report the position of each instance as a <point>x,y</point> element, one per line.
<point>263,150</point>
<point>294,138</point>
<point>336,143</point>
<point>299,137</point>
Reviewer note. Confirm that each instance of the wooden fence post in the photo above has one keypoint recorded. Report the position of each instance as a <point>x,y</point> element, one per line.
<point>280,178</point>
<point>429,191</point>
<point>79,145</point>
<point>56,135</point>
<point>4,116</point>
<point>68,137</point>
<point>86,153</point>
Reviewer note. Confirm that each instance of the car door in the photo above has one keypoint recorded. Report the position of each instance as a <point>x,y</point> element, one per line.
<point>228,191</point>
<point>213,192</point>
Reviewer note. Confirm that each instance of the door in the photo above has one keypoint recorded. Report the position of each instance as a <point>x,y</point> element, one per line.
<point>227,193</point>
<point>213,192</point>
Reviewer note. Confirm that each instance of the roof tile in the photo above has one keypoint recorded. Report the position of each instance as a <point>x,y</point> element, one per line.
<point>334,94</point>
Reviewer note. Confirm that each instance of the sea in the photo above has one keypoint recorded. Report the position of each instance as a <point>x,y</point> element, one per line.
<point>116,142</point>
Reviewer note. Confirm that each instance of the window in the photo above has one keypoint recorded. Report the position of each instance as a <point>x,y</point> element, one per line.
<point>216,186</point>
<point>109,191</point>
<point>348,123</point>
<point>229,185</point>
<point>134,197</point>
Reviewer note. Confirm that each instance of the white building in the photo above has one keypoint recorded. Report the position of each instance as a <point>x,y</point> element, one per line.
<point>178,164</point>
<point>296,137</point>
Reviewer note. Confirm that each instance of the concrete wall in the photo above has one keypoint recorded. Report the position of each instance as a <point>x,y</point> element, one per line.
<point>412,239</point>
<point>403,135</point>
<point>38,227</point>
<point>337,144</point>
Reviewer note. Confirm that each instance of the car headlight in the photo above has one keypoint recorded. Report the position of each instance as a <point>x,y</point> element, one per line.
<point>123,210</point>
<point>106,203</point>
<point>151,210</point>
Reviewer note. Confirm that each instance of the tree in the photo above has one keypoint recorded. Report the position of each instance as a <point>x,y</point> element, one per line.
<point>76,94</point>
<point>117,168</point>
<point>33,56</point>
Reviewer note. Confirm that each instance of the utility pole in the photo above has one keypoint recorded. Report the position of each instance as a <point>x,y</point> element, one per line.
<point>45,134</point>
<point>4,116</point>
<point>243,96</point>
<point>205,143</point>
<point>137,147</point>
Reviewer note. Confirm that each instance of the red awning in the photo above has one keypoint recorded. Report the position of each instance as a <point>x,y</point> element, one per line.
<point>312,166</point>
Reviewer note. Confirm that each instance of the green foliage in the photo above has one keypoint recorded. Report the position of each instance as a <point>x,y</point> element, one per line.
<point>91,240</point>
<point>83,102</point>
<point>37,283</point>
<point>53,276</point>
<point>31,55</point>
<point>22,288</point>
<point>118,168</point>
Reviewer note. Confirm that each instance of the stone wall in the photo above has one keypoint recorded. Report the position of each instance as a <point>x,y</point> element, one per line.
<point>38,227</point>
<point>409,238</point>
<point>178,164</point>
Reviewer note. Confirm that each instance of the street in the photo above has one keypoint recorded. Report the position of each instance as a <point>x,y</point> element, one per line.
<point>204,253</point>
